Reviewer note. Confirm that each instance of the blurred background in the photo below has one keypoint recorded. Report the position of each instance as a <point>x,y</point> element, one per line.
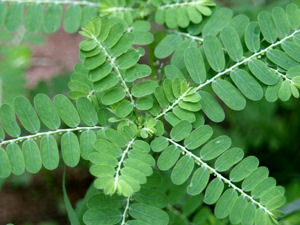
<point>32,63</point>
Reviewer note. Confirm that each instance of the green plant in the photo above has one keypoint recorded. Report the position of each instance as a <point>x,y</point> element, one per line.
<point>142,127</point>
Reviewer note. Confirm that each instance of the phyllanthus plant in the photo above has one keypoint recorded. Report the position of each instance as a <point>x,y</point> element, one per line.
<point>142,123</point>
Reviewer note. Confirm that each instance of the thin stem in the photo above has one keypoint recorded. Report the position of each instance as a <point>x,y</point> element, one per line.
<point>114,66</point>
<point>228,70</point>
<point>220,176</point>
<point>285,77</point>
<point>117,9</point>
<point>181,4</point>
<point>189,36</point>
<point>67,2</point>
<point>120,163</point>
<point>125,211</point>
<point>41,134</point>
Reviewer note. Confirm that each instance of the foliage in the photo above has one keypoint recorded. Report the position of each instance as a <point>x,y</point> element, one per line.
<point>142,127</point>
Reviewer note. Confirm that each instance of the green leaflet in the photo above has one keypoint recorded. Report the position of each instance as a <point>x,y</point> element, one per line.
<point>168,158</point>
<point>225,203</point>
<point>34,17</point>
<point>255,178</point>
<point>52,18</point>
<point>195,65</point>
<point>262,72</point>
<point>281,21</point>
<point>32,156</point>
<point>198,137</point>
<point>87,111</point>
<point>211,107</point>
<point>49,152</point>
<point>8,121</point>
<point>181,131</point>
<point>232,43</point>
<point>243,169</point>
<point>199,181</point>
<point>66,111</point>
<point>5,168</point>
<point>281,59</point>
<point>154,215</point>
<point>144,88</point>
<point>27,115</point>
<point>159,144</point>
<point>167,46</point>
<point>14,16</point>
<point>87,140</point>
<point>72,18</point>
<point>267,26</point>
<point>213,191</point>
<point>16,158</point>
<point>47,111</point>
<point>228,159</point>
<point>215,147</point>
<point>182,170</point>
<point>3,10</point>
<point>252,37</point>
<point>293,16</point>
<point>70,149</point>
<point>229,94</point>
<point>292,49</point>
<point>214,53</point>
<point>247,84</point>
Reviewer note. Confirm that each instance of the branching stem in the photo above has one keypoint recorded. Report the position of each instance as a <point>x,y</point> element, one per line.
<point>180,4</point>
<point>41,134</point>
<point>120,163</point>
<point>228,70</point>
<point>66,2</point>
<point>220,176</point>
<point>114,66</point>
<point>125,211</point>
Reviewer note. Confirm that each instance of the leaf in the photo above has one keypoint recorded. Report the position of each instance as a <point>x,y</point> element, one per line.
<point>8,121</point>
<point>167,46</point>
<point>252,37</point>
<point>281,59</point>
<point>124,108</point>
<point>72,18</point>
<point>225,203</point>
<point>52,18</point>
<point>14,16</point>
<point>16,158</point>
<point>215,147</point>
<point>159,144</point>
<point>87,140</point>
<point>181,130</point>
<point>198,137</point>
<point>66,111</point>
<point>87,111</point>
<point>27,115</point>
<point>34,17</point>
<point>293,15</point>
<point>232,43</point>
<point>262,72</point>
<point>5,168</point>
<point>228,159</point>
<point>214,53</point>
<point>255,178</point>
<point>243,169</point>
<point>292,49</point>
<point>148,214</point>
<point>229,94</point>
<point>168,158</point>
<point>49,152</point>
<point>267,26</point>
<point>217,22</point>
<point>182,170</point>
<point>213,191</point>
<point>70,211</point>
<point>281,21</point>
<point>136,72</point>
<point>199,181</point>
<point>195,65</point>
<point>70,149</point>
<point>247,84</point>
<point>211,107</point>
<point>32,156</point>
<point>144,88</point>
<point>47,111</point>
<point>144,103</point>
<point>238,208</point>
<point>284,92</point>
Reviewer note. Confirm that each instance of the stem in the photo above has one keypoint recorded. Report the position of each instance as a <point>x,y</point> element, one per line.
<point>285,77</point>
<point>67,2</point>
<point>116,179</point>
<point>125,211</point>
<point>114,66</point>
<point>220,176</point>
<point>180,4</point>
<point>228,70</point>
<point>189,36</point>
<point>41,134</point>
